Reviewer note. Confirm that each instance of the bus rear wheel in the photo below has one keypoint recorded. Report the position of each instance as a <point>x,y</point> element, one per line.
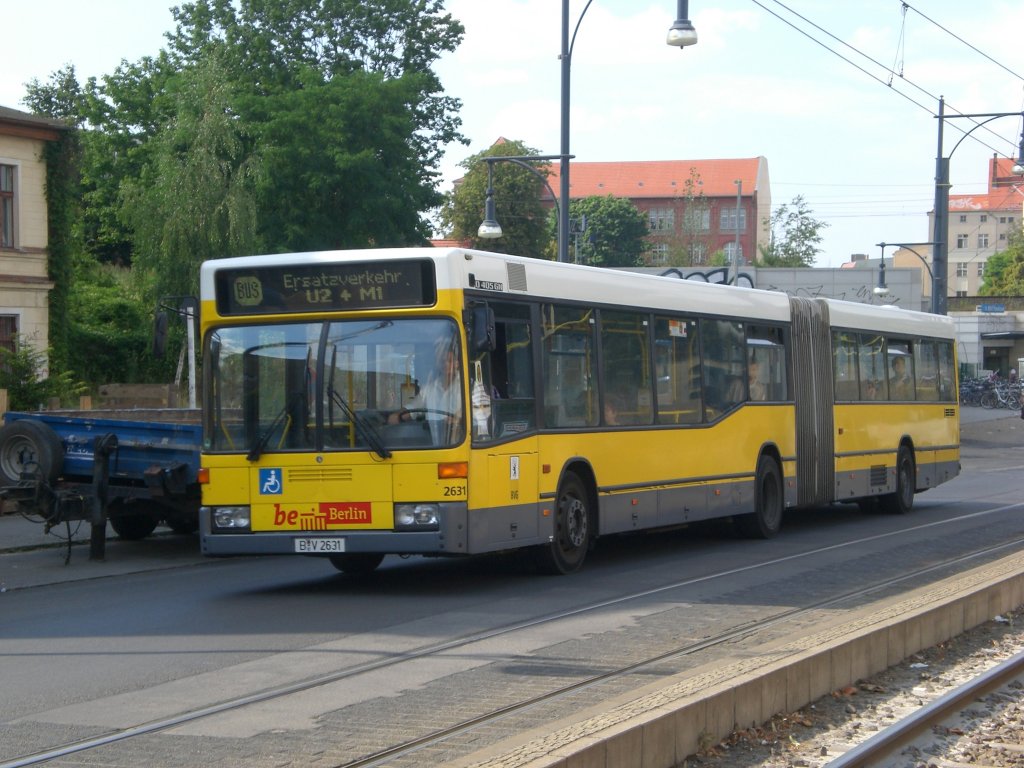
<point>568,548</point>
<point>357,563</point>
<point>902,501</point>
<point>766,520</point>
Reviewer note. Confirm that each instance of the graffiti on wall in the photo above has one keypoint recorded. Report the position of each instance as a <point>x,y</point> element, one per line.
<point>720,275</point>
<point>863,294</point>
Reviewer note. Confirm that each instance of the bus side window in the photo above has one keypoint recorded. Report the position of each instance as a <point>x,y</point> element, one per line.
<point>508,372</point>
<point>625,373</point>
<point>947,372</point>
<point>677,370</point>
<point>926,368</point>
<point>871,364</point>
<point>568,372</point>
<point>723,354</point>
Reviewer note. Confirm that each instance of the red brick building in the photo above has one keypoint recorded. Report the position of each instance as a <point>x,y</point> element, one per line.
<point>694,208</point>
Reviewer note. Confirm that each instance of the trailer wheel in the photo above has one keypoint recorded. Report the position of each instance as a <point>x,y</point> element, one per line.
<point>29,447</point>
<point>130,521</point>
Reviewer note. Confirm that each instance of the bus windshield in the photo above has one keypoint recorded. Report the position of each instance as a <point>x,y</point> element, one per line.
<point>377,385</point>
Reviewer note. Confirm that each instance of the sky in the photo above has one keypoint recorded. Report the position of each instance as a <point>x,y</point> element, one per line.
<point>854,134</point>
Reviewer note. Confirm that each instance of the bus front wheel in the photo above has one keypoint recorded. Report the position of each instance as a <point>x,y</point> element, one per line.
<point>766,520</point>
<point>902,501</point>
<point>357,563</point>
<point>568,548</point>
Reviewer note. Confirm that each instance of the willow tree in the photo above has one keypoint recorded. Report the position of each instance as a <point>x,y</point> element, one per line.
<point>195,199</point>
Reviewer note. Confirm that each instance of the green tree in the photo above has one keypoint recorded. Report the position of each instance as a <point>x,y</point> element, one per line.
<point>287,125</point>
<point>351,119</point>
<point>111,327</point>
<point>517,203</point>
<point>339,167</point>
<point>195,199</point>
<point>692,247</point>
<point>614,234</point>
<point>338,96</point>
<point>1004,271</point>
<point>795,235</point>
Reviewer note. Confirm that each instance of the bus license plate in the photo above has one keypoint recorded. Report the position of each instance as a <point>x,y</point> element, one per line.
<point>316,546</point>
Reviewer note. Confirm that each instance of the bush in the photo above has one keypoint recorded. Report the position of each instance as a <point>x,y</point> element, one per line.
<point>21,375</point>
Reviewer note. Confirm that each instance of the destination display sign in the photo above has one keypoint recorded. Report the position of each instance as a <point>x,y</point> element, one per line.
<point>283,289</point>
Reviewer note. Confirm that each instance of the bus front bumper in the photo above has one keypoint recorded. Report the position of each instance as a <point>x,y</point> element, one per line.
<point>449,539</point>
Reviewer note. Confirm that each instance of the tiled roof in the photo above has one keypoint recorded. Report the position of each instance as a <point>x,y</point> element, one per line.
<point>1003,199</point>
<point>659,178</point>
<point>25,118</point>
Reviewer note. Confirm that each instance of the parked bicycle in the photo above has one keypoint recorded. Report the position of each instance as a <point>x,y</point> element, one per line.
<point>1002,395</point>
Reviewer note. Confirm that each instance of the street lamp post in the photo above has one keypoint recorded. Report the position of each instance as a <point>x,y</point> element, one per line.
<point>490,228</point>
<point>680,34</point>
<point>931,275</point>
<point>736,242</point>
<point>940,232</point>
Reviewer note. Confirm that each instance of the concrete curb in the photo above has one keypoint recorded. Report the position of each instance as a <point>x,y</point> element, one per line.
<point>663,724</point>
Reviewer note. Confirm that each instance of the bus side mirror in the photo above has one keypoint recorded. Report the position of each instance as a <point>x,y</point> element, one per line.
<point>482,334</point>
<point>159,334</point>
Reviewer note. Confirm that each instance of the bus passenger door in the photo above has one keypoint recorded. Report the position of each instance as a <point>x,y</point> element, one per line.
<point>503,470</point>
<point>504,510</point>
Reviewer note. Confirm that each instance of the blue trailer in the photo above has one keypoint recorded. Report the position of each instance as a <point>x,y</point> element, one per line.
<point>136,468</point>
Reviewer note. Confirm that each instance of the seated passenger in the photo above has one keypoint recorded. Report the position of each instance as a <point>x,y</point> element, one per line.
<point>900,387</point>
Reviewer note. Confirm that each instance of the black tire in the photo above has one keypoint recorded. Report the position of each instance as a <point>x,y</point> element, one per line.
<point>902,501</point>
<point>869,505</point>
<point>766,519</point>
<point>130,520</point>
<point>183,527</point>
<point>356,563</point>
<point>573,530</point>
<point>29,447</point>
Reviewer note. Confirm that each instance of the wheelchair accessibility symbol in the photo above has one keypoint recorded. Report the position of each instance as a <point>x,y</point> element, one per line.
<point>270,482</point>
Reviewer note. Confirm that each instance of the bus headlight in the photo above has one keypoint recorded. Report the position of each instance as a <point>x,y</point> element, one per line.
<point>231,518</point>
<point>417,517</point>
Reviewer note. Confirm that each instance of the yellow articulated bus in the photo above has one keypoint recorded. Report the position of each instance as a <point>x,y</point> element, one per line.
<point>451,402</point>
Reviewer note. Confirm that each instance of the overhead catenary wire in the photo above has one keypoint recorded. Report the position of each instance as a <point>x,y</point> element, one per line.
<point>875,62</point>
<point>957,37</point>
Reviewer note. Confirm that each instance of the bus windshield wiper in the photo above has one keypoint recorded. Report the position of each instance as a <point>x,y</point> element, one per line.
<point>262,438</point>
<point>372,437</point>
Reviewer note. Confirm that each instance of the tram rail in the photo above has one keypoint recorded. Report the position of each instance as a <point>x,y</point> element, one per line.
<point>404,751</point>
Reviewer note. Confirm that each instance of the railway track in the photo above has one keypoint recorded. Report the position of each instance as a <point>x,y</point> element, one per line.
<point>445,734</point>
<point>944,716</point>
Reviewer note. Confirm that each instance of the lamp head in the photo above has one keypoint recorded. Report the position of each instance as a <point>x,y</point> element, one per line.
<point>1018,167</point>
<point>681,33</point>
<point>489,228</point>
<point>881,289</point>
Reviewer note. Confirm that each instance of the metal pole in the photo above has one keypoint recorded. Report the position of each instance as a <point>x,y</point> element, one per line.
<point>940,233</point>
<point>563,210</point>
<point>190,336</point>
<point>736,245</point>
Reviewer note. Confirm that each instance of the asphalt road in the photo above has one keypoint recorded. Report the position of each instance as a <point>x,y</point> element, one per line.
<point>89,647</point>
